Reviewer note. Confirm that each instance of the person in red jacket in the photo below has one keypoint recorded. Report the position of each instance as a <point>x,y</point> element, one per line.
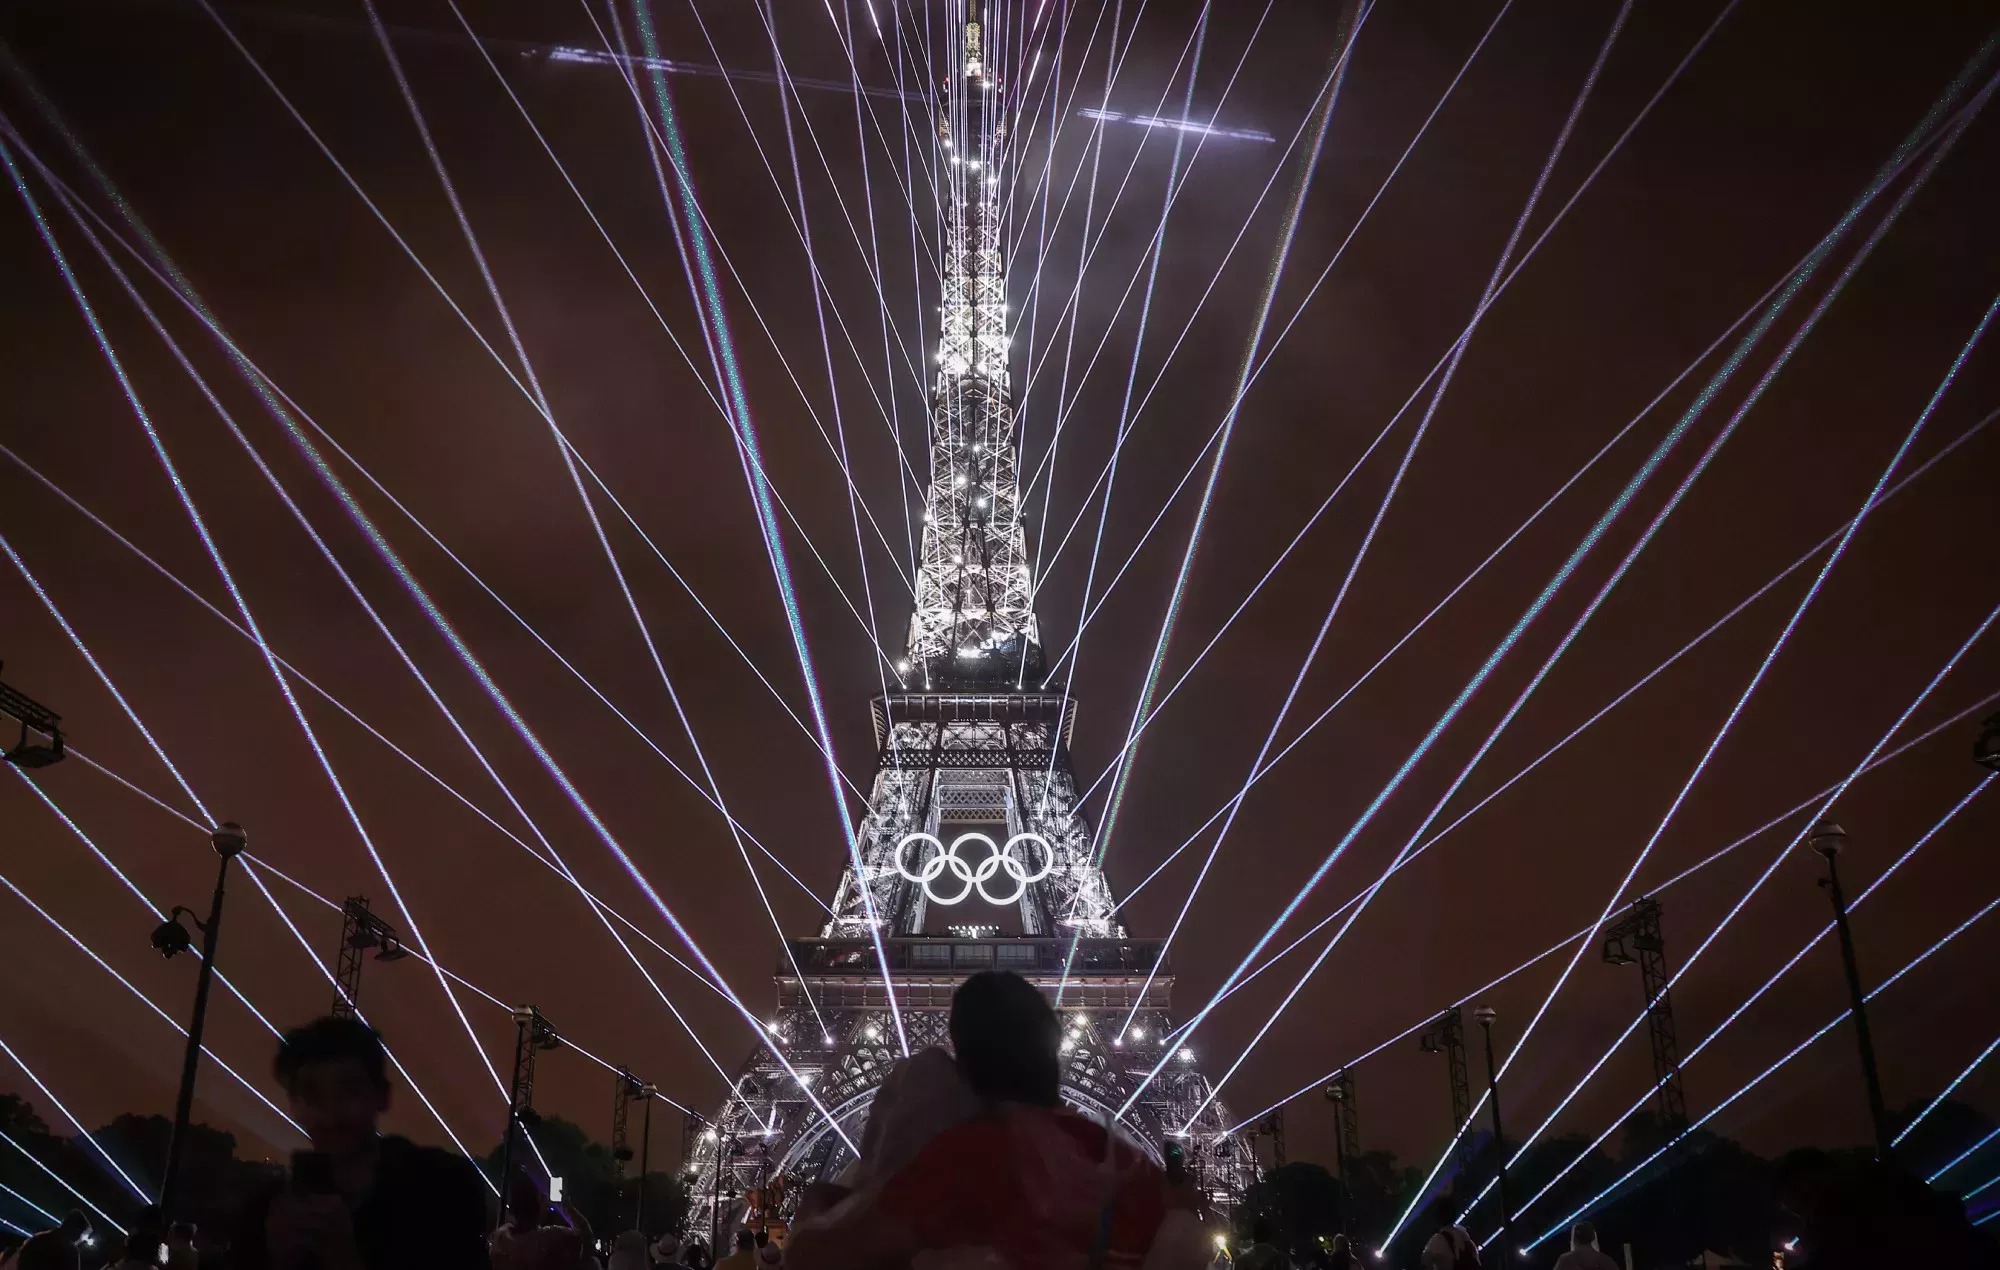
<point>1024,1183</point>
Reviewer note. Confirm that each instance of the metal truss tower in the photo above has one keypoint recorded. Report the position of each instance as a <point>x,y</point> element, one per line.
<point>1636,937</point>
<point>1446,1035</point>
<point>33,717</point>
<point>973,852</point>
<point>532,1035</point>
<point>1346,1143</point>
<point>360,930</point>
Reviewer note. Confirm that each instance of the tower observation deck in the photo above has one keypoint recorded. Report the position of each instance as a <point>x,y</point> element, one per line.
<point>974,855</point>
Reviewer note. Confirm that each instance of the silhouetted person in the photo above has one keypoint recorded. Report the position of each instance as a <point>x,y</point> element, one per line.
<point>1024,1179</point>
<point>1341,1255</point>
<point>529,1240</point>
<point>1860,1214</point>
<point>1584,1253</point>
<point>1263,1252</point>
<point>145,1245</point>
<point>58,1249</point>
<point>358,1200</point>
<point>744,1257</point>
<point>181,1254</point>
<point>1451,1247</point>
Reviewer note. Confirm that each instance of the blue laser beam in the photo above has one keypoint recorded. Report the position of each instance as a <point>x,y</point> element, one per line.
<point>716,319</point>
<point>1741,1007</point>
<point>1951,1087</point>
<point>81,1132</point>
<point>1756,679</point>
<point>61,1181</point>
<point>1762,1076</point>
<point>1590,541</point>
<point>1714,856</point>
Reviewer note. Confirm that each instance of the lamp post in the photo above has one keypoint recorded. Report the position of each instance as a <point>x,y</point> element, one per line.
<point>1828,839</point>
<point>171,938</point>
<point>1485,1016</point>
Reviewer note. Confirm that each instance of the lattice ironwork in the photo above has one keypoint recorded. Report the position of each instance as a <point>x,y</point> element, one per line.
<point>970,748</point>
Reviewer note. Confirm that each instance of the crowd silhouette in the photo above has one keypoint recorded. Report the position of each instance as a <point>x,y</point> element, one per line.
<point>968,1160</point>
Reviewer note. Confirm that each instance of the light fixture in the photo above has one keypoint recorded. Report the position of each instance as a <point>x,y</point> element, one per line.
<point>873,1033</point>
<point>1187,1055</point>
<point>1138,1034</point>
<point>708,1135</point>
<point>903,666</point>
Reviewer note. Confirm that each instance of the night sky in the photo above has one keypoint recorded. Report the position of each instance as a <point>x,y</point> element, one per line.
<point>1752,154</point>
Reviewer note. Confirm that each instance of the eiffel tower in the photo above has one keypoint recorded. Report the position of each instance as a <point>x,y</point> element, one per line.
<point>973,853</point>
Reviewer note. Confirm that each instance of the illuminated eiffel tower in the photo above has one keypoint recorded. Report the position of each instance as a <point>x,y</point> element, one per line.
<point>973,853</point>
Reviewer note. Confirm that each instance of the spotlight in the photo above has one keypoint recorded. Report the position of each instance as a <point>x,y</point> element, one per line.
<point>1187,1055</point>
<point>170,938</point>
<point>1986,750</point>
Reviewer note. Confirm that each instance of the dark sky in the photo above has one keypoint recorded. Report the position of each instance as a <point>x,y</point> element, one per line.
<point>1747,160</point>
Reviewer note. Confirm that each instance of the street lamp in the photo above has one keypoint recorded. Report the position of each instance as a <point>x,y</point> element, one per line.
<point>1485,1016</point>
<point>1828,838</point>
<point>172,939</point>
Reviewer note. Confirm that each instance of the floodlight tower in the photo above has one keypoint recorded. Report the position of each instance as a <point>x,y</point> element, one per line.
<point>1828,839</point>
<point>1346,1143</point>
<point>1636,938</point>
<point>626,1088</point>
<point>1446,1035</point>
<point>33,717</point>
<point>360,930</point>
<point>533,1034</point>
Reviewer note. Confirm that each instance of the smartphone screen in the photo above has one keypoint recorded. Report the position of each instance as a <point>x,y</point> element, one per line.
<point>312,1172</point>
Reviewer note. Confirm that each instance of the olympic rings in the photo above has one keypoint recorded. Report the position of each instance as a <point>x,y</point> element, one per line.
<point>974,877</point>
